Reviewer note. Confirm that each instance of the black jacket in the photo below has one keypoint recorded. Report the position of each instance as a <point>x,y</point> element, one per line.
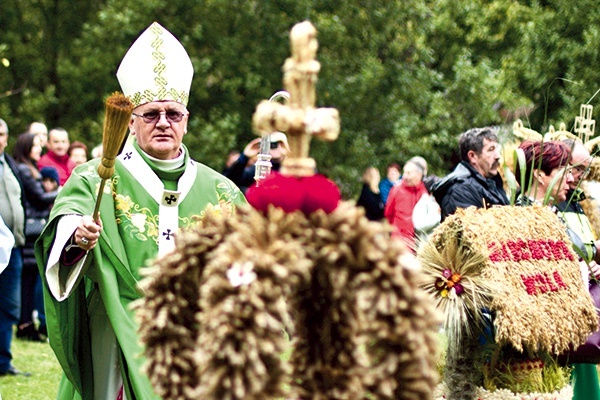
<point>37,205</point>
<point>466,187</point>
<point>243,175</point>
<point>37,200</point>
<point>371,202</point>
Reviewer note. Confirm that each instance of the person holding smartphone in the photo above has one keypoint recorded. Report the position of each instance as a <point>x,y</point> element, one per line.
<point>242,171</point>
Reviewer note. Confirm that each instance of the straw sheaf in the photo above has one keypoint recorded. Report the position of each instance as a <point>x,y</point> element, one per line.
<point>594,174</point>
<point>591,208</point>
<point>548,321</point>
<point>463,312</point>
<point>383,337</point>
<point>242,337</point>
<point>523,133</point>
<point>168,311</point>
<point>560,134</point>
<point>357,318</point>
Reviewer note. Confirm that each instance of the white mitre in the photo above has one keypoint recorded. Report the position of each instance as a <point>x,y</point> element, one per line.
<point>156,67</point>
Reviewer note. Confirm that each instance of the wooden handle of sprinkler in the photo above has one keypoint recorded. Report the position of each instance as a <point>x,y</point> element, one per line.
<point>106,169</point>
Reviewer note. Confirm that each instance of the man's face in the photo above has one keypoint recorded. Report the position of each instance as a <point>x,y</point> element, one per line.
<point>412,175</point>
<point>278,151</point>
<point>488,162</point>
<point>580,160</point>
<point>58,142</point>
<point>41,131</point>
<point>162,137</point>
<point>3,138</point>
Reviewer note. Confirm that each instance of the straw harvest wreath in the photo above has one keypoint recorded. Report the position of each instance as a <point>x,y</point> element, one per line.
<point>330,290</point>
<point>510,288</point>
<point>300,298</point>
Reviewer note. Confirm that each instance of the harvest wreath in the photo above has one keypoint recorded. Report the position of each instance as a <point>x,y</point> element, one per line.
<point>497,275</point>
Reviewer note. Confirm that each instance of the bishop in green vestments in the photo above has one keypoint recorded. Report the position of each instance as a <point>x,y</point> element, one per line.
<point>91,268</point>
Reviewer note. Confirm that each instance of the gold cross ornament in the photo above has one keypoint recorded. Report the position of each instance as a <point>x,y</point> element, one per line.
<point>584,124</point>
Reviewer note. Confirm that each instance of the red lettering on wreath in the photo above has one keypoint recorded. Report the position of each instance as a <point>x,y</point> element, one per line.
<point>530,249</point>
<point>558,280</point>
<point>529,283</point>
<point>540,283</point>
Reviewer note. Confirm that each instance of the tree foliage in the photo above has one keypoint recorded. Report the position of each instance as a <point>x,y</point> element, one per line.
<point>407,76</point>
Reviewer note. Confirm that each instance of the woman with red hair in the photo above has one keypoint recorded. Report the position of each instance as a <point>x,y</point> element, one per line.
<point>546,173</point>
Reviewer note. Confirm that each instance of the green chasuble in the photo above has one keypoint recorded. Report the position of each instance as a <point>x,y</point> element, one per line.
<point>142,207</point>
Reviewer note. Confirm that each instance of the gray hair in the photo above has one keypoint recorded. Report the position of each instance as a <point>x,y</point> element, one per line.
<point>420,163</point>
<point>4,125</point>
<point>473,140</point>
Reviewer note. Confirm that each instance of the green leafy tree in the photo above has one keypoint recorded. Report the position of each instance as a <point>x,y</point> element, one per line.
<point>38,36</point>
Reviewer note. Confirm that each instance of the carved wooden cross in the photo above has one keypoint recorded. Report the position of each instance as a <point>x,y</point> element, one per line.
<point>300,120</point>
<point>584,124</point>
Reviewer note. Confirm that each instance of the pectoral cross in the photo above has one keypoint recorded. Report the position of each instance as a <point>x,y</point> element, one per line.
<point>170,199</point>
<point>584,124</point>
<point>299,119</point>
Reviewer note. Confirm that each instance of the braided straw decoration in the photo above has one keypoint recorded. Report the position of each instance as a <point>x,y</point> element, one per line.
<point>346,294</point>
<point>167,314</point>
<point>242,338</point>
<point>591,208</point>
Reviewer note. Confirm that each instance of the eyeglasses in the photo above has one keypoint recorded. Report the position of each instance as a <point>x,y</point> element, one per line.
<point>582,169</point>
<point>152,117</point>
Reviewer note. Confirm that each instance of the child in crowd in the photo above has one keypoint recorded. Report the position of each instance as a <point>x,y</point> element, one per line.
<point>49,179</point>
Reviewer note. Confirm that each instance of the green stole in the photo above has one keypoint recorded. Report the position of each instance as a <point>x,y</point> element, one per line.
<point>129,238</point>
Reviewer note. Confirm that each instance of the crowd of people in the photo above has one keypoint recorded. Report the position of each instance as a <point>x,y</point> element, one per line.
<point>160,187</point>
<point>403,199</point>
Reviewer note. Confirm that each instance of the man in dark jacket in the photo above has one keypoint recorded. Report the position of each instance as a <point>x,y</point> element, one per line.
<point>13,214</point>
<point>475,181</point>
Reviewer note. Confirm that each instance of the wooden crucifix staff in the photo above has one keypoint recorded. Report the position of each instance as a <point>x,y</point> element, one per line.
<point>300,120</point>
<point>116,121</point>
<point>298,186</point>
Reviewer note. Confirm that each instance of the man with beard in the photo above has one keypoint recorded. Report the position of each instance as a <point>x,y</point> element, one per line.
<point>475,181</point>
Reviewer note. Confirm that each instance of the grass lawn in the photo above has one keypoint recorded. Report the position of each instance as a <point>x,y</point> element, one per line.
<point>39,360</point>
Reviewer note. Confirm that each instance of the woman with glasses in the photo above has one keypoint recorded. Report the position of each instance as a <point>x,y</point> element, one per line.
<point>570,210</point>
<point>546,175</point>
<point>547,178</point>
